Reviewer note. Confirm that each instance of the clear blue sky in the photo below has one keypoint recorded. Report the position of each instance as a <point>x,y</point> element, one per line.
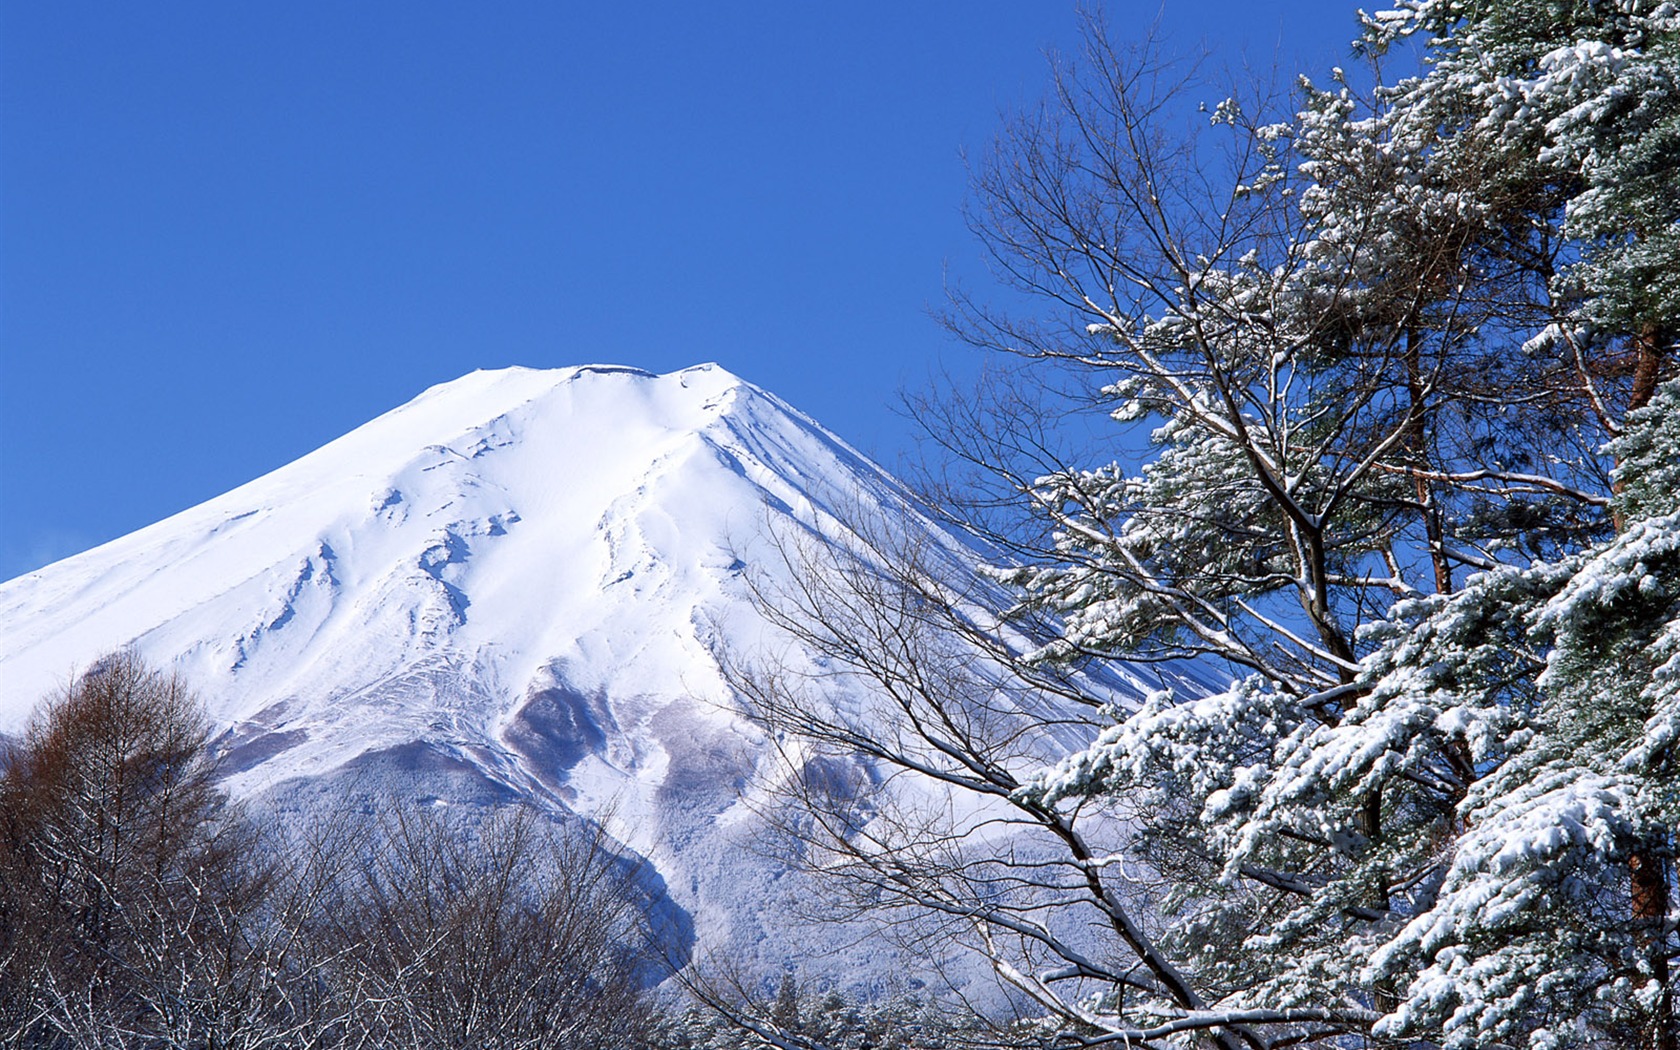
<point>230,232</point>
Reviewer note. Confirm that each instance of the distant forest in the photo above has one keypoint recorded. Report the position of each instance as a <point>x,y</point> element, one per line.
<point>1358,397</point>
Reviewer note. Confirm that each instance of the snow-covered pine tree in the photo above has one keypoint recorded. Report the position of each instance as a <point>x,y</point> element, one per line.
<point>1383,343</point>
<point>1560,679</point>
<point>1393,357</point>
<point>1557,894</point>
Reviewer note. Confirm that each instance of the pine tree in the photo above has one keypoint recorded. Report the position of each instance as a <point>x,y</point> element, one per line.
<point>1383,343</point>
<point>1416,801</point>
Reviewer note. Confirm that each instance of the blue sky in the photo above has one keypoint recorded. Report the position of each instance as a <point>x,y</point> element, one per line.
<point>231,232</point>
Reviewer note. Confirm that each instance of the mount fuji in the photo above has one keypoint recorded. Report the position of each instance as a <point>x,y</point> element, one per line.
<point>521,585</point>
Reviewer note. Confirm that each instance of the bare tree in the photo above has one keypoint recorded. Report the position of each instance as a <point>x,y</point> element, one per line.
<point>132,894</point>
<point>140,908</point>
<point>503,935</point>
<point>907,742</point>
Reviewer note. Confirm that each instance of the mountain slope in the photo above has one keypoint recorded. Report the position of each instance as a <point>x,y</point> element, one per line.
<point>519,584</point>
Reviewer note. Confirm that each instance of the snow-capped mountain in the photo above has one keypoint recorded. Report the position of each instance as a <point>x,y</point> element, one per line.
<point>519,584</point>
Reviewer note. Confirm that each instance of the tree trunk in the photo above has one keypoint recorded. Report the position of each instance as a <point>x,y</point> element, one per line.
<point>1650,912</point>
<point>1647,365</point>
<point>1648,873</point>
<point>1417,440</point>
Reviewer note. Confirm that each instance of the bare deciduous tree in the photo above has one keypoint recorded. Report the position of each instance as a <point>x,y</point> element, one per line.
<point>907,744</point>
<point>140,908</point>
<point>131,893</point>
<point>505,935</point>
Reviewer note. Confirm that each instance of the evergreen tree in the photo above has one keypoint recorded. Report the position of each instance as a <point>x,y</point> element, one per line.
<point>1467,831</point>
<point>1384,343</point>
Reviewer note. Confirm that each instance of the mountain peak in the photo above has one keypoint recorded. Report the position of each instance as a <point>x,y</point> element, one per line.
<point>497,513</point>
<point>521,584</point>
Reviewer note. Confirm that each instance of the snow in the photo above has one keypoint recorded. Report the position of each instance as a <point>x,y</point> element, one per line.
<point>506,520</point>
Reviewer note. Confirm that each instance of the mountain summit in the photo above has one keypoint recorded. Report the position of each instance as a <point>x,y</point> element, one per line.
<point>506,531</point>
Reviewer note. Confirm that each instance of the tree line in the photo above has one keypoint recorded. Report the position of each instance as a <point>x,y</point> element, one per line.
<point>139,907</point>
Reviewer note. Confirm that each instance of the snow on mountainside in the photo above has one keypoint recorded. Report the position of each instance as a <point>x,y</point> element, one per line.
<point>513,526</point>
<point>519,584</point>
